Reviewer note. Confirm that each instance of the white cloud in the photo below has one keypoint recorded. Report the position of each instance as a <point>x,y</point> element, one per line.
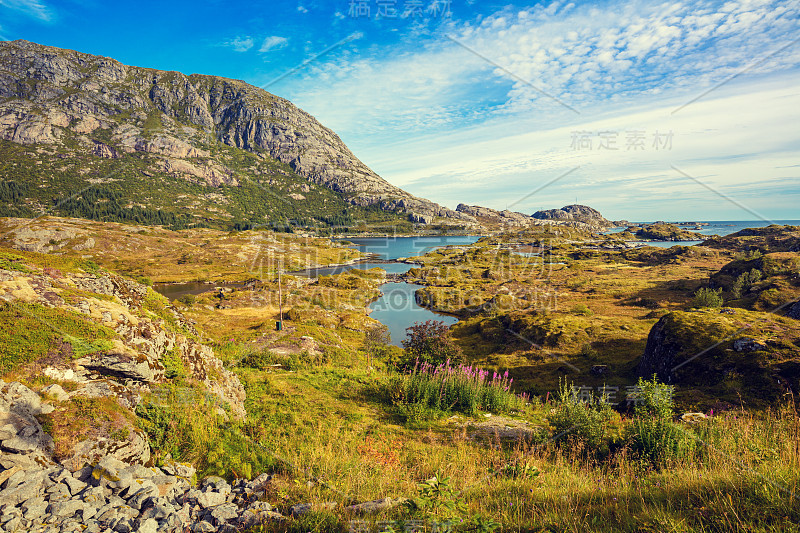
<point>741,143</point>
<point>273,42</point>
<point>240,44</point>
<point>302,9</point>
<point>31,8</point>
<point>580,57</point>
<point>444,122</point>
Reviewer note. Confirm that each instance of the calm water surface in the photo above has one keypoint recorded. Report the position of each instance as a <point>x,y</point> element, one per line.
<point>397,309</point>
<point>391,248</point>
<point>173,291</point>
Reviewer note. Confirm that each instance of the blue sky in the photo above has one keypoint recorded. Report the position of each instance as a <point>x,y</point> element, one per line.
<point>641,109</point>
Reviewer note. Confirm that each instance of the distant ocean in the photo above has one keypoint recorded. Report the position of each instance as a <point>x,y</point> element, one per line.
<point>726,227</point>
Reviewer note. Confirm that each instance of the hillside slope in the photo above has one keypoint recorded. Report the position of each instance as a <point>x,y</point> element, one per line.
<point>215,148</point>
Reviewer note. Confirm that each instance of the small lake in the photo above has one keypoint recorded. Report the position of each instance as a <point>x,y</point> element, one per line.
<point>390,268</point>
<point>397,309</point>
<point>391,248</point>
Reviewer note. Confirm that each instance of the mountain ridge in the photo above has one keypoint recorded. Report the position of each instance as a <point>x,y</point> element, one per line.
<point>96,105</point>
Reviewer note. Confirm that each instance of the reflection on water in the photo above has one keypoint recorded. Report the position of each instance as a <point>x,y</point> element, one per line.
<point>397,309</point>
<point>391,248</point>
<point>390,268</point>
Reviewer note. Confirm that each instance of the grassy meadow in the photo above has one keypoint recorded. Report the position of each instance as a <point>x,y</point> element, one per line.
<point>340,417</point>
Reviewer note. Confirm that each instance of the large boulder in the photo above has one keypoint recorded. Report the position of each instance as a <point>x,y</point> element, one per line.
<point>708,349</point>
<point>580,213</point>
<point>794,311</point>
<point>20,431</point>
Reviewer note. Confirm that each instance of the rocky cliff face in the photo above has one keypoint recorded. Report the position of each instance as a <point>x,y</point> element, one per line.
<point>147,336</point>
<point>98,106</point>
<point>578,213</point>
<point>582,219</point>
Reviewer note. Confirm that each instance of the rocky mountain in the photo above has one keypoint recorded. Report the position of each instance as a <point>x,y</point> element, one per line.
<point>579,213</point>
<point>572,216</point>
<point>211,147</point>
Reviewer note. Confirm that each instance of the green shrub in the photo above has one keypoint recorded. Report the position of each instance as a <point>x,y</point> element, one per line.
<point>430,342</point>
<point>262,359</point>
<point>173,365</point>
<point>586,420</point>
<point>745,281</point>
<point>188,300</point>
<point>652,436</point>
<point>706,297</point>
<point>654,399</point>
<point>659,442</point>
<point>582,309</point>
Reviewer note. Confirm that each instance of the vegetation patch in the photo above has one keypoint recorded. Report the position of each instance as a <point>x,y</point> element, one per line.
<point>28,332</point>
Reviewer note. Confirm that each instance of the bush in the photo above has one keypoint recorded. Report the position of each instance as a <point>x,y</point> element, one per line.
<point>173,365</point>
<point>188,300</point>
<point>429,342</point>
<point>261,359</point>
<point>587,420</point>
<point>449,388</point>
<point>582,309</point>
<point>654,399</point>
<point>745,281</point>
<point>659,442</point>
<point>652,435</point>
<point>706,297</point>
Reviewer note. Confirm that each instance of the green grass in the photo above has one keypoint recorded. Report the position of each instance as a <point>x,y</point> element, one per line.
<point>29,332</point>
<point>328,426</point>
<point>459,389</point>
<point>10,261</point>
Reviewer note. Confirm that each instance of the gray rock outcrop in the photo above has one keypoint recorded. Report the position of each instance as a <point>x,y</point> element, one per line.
<point>48,94</point>
<point>660,352</point>
<point>794,311</point>
<point>134,360</point>
<point>578,213</point>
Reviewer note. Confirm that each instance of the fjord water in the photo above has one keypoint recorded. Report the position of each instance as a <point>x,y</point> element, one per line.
<point>715,227</point>
<point>391,248</point>
<point>726,227</point>
<point>397,309</point>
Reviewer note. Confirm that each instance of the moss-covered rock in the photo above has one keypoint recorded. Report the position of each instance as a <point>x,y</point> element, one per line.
<point>697,349</point>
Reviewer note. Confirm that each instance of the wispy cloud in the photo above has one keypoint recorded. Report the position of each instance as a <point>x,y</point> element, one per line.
<point>240,44</point>
<point>273,42</point>
<point>302,9</point>
<point>580,55</point>
<point>31,8</point>
<point>430,115</point>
